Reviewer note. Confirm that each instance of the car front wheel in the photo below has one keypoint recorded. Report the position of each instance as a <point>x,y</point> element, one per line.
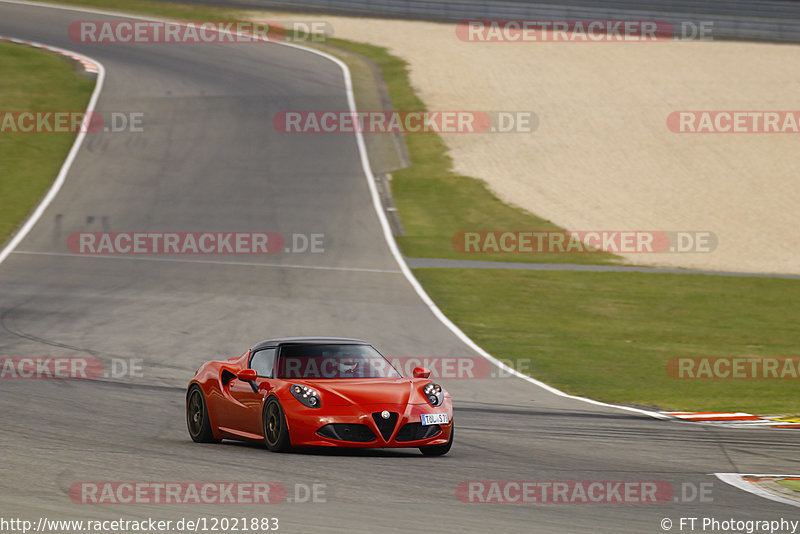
<point>276,433</point>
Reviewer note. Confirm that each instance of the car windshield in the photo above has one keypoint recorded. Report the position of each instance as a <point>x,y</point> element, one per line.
<point>333,361</point>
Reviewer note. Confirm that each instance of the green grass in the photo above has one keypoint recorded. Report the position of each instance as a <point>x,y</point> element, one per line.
<point>793,485</point>
<point>610,335</point>
<point>34,80</point>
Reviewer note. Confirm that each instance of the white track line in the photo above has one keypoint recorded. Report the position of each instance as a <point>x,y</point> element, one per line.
<point>736,480</point>
<point>731,420</point>
<point>210,262</point>
<point>62,173</point>
<point>376,203</point>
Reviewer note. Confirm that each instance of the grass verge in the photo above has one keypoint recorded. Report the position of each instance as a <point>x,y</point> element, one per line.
<point>610,335</point>
<point>793,485</point>
<point>43,81</point>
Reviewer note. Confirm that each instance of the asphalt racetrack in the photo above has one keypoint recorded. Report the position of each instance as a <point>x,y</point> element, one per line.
<point>209,159</point>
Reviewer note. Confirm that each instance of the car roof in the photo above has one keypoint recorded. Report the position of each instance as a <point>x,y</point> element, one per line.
<point>309,341</point>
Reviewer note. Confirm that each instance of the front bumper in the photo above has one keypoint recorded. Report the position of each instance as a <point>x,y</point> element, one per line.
<point>305,425</point>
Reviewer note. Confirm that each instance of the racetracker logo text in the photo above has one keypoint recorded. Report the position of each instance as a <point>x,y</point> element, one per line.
<point>564,31</point>
<point>405,122</point>
<point>37,122</point>
<point>465,367</point>
<point>69,368</point>
<point>565,492</point>
<point>731,122</point>
<point>580,242</point>
<point>51,368</point>
<point>699,368</point>
<point>195,32</point>
<point>193,243</point>
<point>177,493</point>
<point>50,122</point>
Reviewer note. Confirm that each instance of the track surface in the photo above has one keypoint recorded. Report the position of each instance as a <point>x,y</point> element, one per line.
<point>210,160</point>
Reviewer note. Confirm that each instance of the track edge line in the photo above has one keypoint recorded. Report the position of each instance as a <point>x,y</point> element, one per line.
<point>736,480</point>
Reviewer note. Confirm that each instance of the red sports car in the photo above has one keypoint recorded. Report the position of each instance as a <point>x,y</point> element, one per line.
<point>328,392</point>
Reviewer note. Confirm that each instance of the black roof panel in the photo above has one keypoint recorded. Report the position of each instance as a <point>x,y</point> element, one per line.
<point>310,341</point>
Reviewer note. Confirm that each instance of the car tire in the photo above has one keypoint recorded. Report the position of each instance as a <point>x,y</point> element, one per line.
<point>197,419</point>
<point>439,450</point>
<point>276,432</point>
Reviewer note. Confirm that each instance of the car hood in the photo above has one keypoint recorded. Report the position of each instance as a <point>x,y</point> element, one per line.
<point>351,391</point>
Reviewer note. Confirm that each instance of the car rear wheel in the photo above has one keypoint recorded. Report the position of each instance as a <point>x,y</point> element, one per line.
<point>197,417</point>
<point>276,433</point>
<point>439,450</point>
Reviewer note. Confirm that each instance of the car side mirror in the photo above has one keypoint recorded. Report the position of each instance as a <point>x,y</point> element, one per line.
<point>247,375</point>
<point>421,372</point>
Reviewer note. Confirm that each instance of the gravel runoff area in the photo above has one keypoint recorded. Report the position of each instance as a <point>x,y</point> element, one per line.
<point>603,156</point>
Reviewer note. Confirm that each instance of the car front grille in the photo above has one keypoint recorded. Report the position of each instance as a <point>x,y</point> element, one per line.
<point>347,432</point>
<point>386,426</point>
<point>415,431</point>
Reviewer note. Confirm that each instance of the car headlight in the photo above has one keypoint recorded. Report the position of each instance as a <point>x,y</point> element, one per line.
<point>308,396</point>
<point>434,393</point>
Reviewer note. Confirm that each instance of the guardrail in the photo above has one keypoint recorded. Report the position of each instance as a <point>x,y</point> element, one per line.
<point>741,20</point>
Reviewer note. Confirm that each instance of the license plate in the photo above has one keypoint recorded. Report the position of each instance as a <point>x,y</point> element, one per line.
<point>434,419</point>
